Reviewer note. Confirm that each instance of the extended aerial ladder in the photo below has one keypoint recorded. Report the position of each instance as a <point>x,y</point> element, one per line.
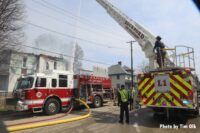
<point>144,38</point>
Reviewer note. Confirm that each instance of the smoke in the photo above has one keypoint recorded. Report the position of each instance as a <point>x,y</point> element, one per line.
<point>78,54</point>
<point>53,43</point>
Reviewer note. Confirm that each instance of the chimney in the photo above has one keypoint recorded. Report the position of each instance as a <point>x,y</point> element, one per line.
<point>120,63</point>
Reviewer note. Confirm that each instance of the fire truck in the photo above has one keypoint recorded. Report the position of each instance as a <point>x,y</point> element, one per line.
<point>94,90</point>
<point>52,91</point>
<point>172,87</point>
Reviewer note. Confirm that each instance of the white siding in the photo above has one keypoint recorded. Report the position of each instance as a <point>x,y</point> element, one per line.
<point>13,68</point>
<point>61,64</point>
<point>116,81</point>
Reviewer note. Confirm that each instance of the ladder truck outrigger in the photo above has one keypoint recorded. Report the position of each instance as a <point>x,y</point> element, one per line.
<point>174,87</point>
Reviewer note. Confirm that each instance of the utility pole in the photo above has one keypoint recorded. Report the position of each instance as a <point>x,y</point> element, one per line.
<point>131,43</point>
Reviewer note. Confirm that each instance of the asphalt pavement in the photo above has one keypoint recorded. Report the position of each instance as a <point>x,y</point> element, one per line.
<point>105,120</point>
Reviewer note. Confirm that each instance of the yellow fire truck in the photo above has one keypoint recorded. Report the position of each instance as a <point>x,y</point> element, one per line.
<point>171,88</point>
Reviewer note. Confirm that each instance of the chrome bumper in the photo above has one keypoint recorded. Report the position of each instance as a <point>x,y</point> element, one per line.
<point>21,106</point>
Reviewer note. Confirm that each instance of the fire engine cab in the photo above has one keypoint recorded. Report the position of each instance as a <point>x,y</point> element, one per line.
<point>51,91</point>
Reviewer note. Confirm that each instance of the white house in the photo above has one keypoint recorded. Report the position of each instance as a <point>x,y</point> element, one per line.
<point>14,64</point>
<point>121,75</point>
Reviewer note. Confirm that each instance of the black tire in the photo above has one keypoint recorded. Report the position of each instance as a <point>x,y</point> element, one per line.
<point>97,102</point>
<point>158,110</point>
<point>196,112</point>
<point>52,106</point>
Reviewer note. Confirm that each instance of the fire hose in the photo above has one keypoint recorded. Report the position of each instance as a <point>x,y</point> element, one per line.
<point>49,123</point>
<point>48,119</point>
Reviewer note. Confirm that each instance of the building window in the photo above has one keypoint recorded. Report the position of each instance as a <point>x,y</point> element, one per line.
<point>118,76</point>
<point>24,62</point>
<point>55,65</point>
<point>47,65</point>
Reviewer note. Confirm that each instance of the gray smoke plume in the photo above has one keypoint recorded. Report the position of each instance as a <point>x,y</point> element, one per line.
<point>53,43</point>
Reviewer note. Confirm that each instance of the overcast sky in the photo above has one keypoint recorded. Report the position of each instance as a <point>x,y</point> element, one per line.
<point>176,21</point>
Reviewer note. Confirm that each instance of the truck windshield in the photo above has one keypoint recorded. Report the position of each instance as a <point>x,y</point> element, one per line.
<point>24,83</point>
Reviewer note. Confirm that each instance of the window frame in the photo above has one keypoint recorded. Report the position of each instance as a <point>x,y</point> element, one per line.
<point>118,77</point>
<point>65,78</point>
<point>24,62</point>
<point>54,79</point>
<point>40,82</point>
<point>47,65</point>
<point>55,65</point>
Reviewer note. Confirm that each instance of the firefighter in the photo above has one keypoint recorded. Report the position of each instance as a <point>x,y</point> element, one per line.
<point>160,53</point>
<point>123,100</point>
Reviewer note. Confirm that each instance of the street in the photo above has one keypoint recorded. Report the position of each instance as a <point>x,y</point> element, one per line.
<point>105,119</point>
<point>60,54</point>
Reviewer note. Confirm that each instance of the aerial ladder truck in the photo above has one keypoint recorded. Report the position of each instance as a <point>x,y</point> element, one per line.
<point>174,87</point>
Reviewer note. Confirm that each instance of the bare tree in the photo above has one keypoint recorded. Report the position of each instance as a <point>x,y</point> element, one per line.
<point>78,56</point>
<point>11,13</point>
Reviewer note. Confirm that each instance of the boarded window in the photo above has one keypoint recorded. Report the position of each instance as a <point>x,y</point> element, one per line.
<point>47,66</point>
<point>118,76</point>
<point>24,63</point>
<point>55,65</point>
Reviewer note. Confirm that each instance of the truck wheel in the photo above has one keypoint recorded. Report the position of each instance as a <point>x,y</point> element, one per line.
<point>52,106</point>
<point>97,102</point>
<point>196,112</point>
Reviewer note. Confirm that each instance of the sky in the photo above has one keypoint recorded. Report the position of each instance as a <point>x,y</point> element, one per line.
<point>101,38</point>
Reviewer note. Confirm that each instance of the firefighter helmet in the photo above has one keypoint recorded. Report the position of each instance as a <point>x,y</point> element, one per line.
<point>158,38</point>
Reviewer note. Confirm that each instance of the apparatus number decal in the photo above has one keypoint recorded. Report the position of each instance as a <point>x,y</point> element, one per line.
<point>162,83</point>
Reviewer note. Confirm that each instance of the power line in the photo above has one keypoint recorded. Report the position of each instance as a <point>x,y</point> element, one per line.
<point>52,52</point>
<point>70,36</point>
<point>73,16</point>
<point>78,17</point>
<point>84,28</point>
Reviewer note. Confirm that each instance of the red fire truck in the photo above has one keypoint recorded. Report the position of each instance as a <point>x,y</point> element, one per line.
<point>52,91</point>
<point>95,90</point>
